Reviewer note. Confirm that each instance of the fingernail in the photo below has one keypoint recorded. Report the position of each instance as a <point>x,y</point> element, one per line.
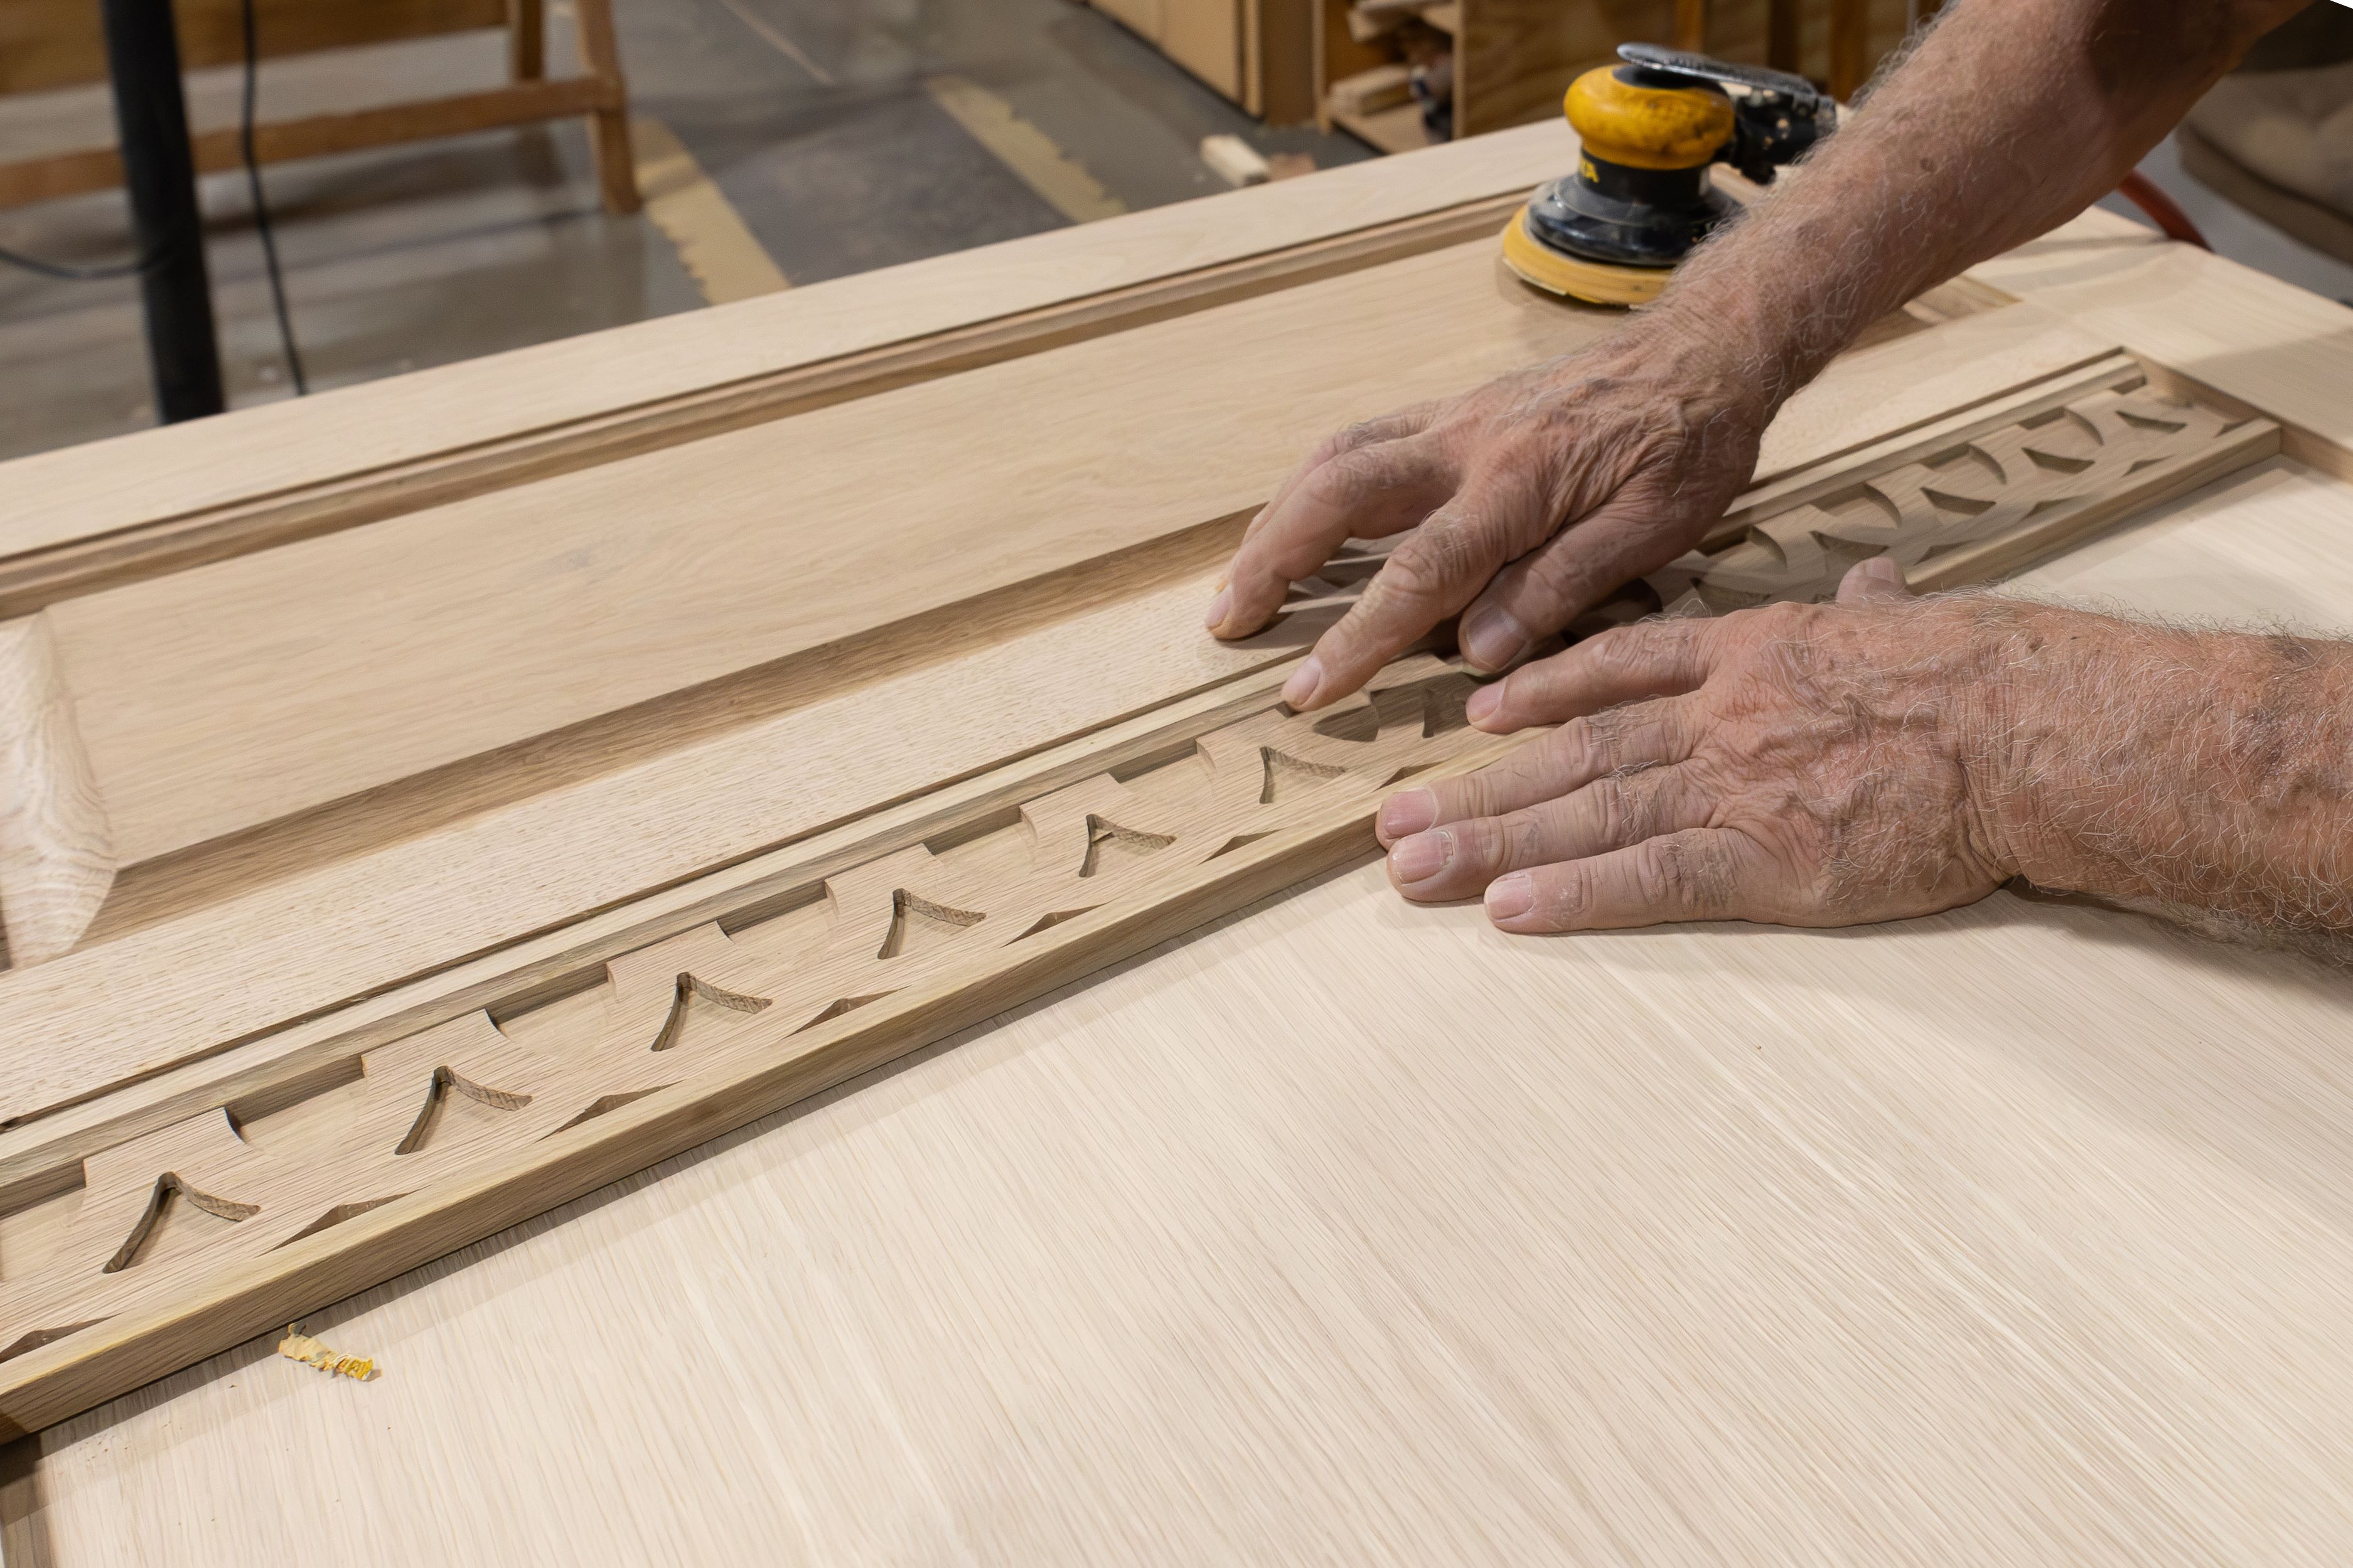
<point>1421,857</point>
<point>1884,568</point>
<point>1407,813</point>
<point>1218,607</point>
<point>1493,638</point>
<point>1484,703</point>
<point>1511,897</point>
<point>1300,690</point>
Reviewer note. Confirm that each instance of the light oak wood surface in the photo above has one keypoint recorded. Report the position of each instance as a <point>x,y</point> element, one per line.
<point>362,921</point>
<point>57,856</point>
<point>75,566</point>
<point>151,474</point>
<point>1348,1230</point>
<point>213,699</point>
<point>312,1172</point>
<point>227,696</point>
<point>837,954</point>
<point>2240,332</point>
<point>1355,1230</point>
<point>356,659</point>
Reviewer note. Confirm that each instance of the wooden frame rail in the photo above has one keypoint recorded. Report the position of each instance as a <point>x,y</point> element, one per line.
<point>600,93</point>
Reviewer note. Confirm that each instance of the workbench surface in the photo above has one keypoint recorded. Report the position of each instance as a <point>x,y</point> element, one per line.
<point>1346,1229</point>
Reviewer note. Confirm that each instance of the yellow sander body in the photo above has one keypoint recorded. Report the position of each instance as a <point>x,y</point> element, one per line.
<point>1640,199</point>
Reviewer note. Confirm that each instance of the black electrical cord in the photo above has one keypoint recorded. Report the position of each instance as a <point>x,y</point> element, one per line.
<point>261,208</point>
<point>69,273</point>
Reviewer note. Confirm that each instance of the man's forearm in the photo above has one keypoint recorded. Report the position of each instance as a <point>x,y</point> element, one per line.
<point>2208,772</point>
<point>2009,117</point>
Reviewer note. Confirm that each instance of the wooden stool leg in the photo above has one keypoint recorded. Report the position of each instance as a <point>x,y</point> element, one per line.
<point>1781,34</point>
<point>527,39</point>
<point>1850,46</point>
<point>1691,26</point>
<point>600,55</point>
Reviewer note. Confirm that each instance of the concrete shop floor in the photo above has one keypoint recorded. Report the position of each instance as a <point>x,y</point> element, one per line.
<point>782,141</point>
<point>794,140</point>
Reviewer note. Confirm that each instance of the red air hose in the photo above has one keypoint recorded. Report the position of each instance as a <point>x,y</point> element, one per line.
<point>2142,191</point>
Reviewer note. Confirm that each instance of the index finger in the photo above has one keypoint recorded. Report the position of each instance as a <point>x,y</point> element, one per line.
<point>1438,568</point>
<point>1363,492</point>
<point>1347,438</point>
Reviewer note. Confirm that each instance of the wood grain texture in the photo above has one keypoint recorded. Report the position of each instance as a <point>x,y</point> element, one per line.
<point>217,699</point>
<point>57,856</point>
<point>357,925</point>
<point>377,915</point>
<point>1893,387</point>
<point>80,565</point>
<point>1795,486</point>
<point>1349,1228</point>
<point>141,478</point>
<point>187,1238</point>
<point>220,698</point>
<point>99,1301</point>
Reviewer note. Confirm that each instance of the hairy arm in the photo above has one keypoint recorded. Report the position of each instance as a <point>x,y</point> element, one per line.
<point>1886,756</point>
<point>1532,497</point>
<point>2009,117</point>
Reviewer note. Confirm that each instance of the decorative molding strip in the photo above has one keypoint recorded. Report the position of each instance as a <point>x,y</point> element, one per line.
<point>181,1241</point>
<point>1985,502</point>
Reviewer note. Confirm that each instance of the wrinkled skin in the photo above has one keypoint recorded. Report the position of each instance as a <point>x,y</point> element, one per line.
<point>1527,499</point>
<point>1797,764</point>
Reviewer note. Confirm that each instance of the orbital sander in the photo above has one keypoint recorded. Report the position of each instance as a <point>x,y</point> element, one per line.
<point>1640,199</point>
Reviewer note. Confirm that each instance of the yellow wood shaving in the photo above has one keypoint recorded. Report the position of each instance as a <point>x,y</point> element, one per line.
<point>300,1346</point>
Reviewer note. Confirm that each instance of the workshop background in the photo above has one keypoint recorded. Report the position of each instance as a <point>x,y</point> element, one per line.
<point>780,143</point>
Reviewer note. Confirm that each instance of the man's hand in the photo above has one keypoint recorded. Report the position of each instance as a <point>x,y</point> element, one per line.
<point>1797,764</point>
<point>1884,756</point>
<point>1527,499</point>
<point>1531,497</point>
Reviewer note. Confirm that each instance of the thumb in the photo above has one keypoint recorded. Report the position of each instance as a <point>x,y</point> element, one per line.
<point>1876,580</point>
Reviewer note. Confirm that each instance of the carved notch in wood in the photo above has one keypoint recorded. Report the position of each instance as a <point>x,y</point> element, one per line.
<point>873,957</point>
<point>1987,502</point>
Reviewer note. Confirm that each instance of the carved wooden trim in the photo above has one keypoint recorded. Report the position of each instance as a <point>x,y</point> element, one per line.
<point>178,1238</point>
<point>1984,502</point>
<point>181,1241</point>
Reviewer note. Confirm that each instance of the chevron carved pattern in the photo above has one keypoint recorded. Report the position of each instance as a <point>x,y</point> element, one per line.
<point>163,1215</point>
<point>1984,505</point>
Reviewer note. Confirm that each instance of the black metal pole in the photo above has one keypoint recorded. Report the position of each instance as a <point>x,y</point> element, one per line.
<point>159,174</point>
